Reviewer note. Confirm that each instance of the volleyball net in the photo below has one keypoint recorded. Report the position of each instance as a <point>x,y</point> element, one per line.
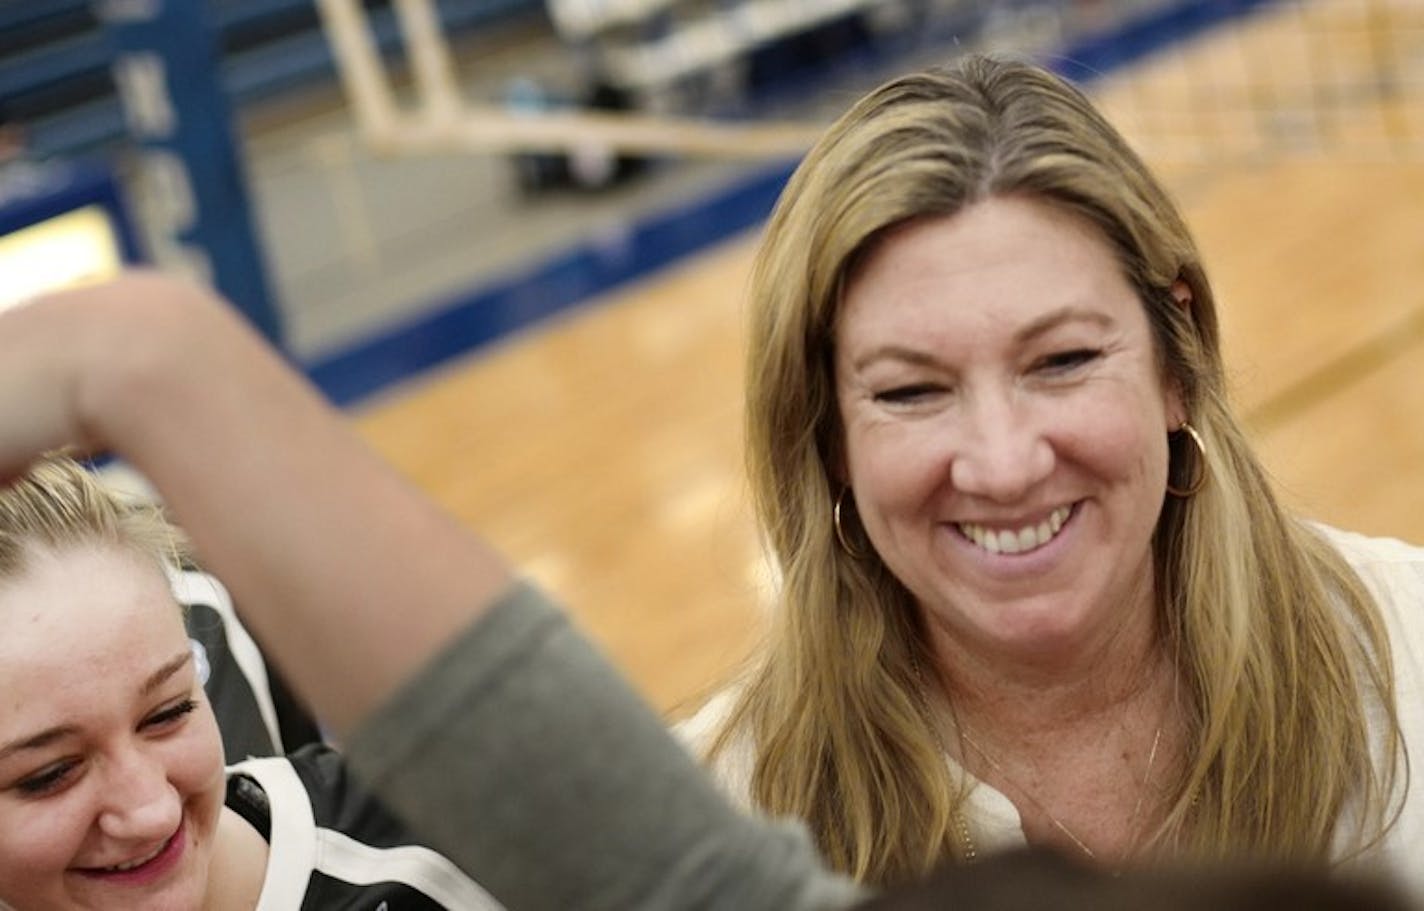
<point>1338,78</point>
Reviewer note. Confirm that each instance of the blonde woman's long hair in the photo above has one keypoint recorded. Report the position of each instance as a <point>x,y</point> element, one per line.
<point>1282,649</point>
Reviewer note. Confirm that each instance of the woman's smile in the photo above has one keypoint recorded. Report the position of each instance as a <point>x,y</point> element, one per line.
<point>146,868</point>
<point>1015,537</point>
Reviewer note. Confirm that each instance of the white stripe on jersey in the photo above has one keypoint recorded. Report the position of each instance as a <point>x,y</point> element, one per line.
<point>343,857</point>
<point>292,854</point>
<point>299,846</point>
<point>191,587</point>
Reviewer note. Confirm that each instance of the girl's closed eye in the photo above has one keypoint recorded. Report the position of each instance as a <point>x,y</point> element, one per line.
<point>171,715</point>
<point>56,776</point>
<point>48,780</point>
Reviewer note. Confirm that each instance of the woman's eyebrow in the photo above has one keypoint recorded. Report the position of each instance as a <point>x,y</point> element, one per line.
<point>893,353</point>
<point>1043,324</point>
<point>36,741</point>
<point>158,677</point>
<point>1055,318</point>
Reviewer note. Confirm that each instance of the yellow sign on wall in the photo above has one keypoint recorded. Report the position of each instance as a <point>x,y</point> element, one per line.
<point>72,249</point>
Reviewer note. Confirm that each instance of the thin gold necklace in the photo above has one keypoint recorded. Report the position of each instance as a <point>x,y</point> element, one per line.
<point>962,824</point>
<point>966,841</point>
<point>1054,820</point>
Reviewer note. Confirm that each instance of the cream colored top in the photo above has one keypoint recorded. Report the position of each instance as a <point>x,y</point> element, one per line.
<point>993,820</point>
<point>1394,573</point>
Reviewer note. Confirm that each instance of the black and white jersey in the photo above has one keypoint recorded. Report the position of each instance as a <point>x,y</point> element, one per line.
<point>256,712</point>
<point>334,847</point>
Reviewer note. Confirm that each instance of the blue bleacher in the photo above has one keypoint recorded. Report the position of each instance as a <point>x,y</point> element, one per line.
<point>54,58</point>
<point>17,14</point>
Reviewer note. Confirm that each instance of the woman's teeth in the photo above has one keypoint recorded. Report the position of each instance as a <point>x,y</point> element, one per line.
<point>1010,541</point>
<point>129,865</point>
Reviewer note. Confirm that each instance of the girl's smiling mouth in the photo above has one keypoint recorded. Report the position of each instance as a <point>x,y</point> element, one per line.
<point>142,869</point>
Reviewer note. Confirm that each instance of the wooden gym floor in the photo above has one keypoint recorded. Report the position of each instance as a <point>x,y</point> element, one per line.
<point>602,451</point>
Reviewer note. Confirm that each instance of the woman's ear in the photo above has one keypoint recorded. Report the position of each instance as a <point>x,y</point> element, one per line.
<point>1176,410</point>
<point>1182,293</point>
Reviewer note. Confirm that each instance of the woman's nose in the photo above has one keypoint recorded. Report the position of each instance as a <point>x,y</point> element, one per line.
<point>140,803</point>
<point>1002,453</point>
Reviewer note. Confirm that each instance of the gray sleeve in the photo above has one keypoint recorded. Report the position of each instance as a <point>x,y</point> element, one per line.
<point>524,757</point>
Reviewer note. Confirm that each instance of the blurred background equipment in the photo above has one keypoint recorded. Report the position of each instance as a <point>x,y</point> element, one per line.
<point>442,119</point>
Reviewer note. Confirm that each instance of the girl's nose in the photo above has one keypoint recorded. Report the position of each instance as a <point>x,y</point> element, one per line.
<point>141,804</point>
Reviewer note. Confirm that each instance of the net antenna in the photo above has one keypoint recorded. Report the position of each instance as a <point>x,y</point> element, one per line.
<point>443,120</point>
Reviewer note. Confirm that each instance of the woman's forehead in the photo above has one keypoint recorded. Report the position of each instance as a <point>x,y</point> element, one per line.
<point>96,601</point>
<point>85,653</point>
<point>993,259</point>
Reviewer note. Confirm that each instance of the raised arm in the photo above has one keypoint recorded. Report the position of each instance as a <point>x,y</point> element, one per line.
<point>283,501</point>
<point>472,706</point>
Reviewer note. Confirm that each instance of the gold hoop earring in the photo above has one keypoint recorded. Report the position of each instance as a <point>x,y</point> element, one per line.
<point>1200,476</point>
<point>840,531</point>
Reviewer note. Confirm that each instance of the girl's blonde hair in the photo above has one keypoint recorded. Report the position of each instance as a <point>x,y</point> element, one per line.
<point>1282,648</point>
<point>58,503</point>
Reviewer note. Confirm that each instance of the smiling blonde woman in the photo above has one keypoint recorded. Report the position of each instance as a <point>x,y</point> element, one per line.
<point>1036,586</point>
